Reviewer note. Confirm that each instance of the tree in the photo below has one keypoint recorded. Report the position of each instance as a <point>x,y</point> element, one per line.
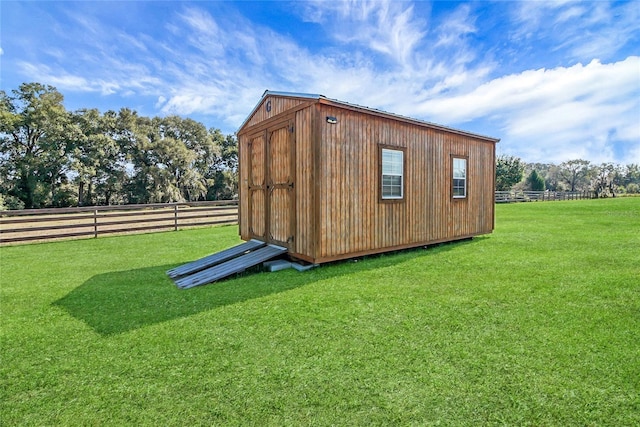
<point>552,179</point>
<point>36,138</point>
<point>603,183</point>
<point>535,181</point>
<point>112,171</point>
<point>509,171</point>
<point>630,178</point>
<point>97,158</point>
<point>575,173</point>
<point>547,171</point>
<point>223,171</point>
<point>193,150</point>
<point>170,158</point>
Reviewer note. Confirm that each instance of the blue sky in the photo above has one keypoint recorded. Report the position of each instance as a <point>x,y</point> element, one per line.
<point>554,80</point>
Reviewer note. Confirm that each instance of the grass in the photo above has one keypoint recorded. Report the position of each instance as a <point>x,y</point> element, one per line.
<point>536,324</point>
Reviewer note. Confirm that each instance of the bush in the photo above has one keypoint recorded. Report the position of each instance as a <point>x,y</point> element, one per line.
<point>535,181</point>
<point>10,203</point>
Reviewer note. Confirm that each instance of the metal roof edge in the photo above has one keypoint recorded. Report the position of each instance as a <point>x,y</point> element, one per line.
<point>337,102</point>
<point>291,94</point>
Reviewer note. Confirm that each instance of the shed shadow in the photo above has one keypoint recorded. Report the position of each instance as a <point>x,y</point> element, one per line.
<point>122,301</point>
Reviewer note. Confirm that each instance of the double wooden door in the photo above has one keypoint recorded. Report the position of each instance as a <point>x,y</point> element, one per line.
<point>271,158</point>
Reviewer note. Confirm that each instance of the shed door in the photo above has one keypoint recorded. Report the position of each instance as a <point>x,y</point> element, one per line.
<point>257,186</point>
<point>272,188</point>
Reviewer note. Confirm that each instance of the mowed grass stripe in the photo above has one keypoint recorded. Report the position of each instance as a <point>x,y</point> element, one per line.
<point>536,324</point>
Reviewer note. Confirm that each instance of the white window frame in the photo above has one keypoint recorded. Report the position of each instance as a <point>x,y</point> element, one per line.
<point>459,175</point>
<point>391,165</point>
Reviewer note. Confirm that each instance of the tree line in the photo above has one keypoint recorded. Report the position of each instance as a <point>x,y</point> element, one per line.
<point>51,157</point>
<point>605,179</point>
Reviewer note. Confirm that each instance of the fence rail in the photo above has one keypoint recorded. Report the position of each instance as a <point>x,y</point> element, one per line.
<point>536,196</point>
<point>48,224</point>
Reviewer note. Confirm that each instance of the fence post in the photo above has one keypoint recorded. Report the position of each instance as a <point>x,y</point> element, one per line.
<point>95,223</point>
<point>175,217</point>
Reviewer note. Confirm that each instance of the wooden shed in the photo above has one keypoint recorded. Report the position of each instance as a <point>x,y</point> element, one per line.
<point>330,180</point>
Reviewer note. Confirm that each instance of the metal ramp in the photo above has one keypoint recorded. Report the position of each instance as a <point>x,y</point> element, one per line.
<point>223,264</point>
<point>217,258</point>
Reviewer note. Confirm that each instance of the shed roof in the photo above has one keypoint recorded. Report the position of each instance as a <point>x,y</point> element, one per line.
<point>330,101</point>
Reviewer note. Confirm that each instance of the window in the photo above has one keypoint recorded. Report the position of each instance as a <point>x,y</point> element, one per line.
<point>459,186</point>
<point>392,174</point>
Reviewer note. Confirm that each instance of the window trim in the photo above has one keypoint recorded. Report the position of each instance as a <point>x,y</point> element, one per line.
<point>466,178</point>
<point>387,199</point>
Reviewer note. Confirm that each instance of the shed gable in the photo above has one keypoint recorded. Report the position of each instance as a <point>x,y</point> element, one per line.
<point>272,105</point>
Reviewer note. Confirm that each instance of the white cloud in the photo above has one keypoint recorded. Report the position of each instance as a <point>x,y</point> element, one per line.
<point>205,34</point>
<point>121,77</point>
<point>456,26</point>
<point>583,30</point>
<point>385,55</point>
<point>634,155</point>
<point>574,11</point>
<point>387,27</point>
<point>577,108</point>
<point>61,80</point>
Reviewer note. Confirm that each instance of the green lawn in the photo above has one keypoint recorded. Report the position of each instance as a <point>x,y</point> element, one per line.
<point>535,324</point>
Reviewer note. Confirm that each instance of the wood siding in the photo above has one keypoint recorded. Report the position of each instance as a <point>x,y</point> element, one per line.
<point>353,219</point>
<point>273,106</point>
<point>305,180</point>
<point>281,185</point>
<point>257,187</point>
<point>315,186</point>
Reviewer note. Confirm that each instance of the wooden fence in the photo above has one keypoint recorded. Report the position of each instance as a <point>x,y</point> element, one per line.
<point>541,196</point>
<point>47,224</point>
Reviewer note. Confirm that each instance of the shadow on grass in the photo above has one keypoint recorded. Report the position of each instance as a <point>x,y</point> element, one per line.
<point>122,301</point>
